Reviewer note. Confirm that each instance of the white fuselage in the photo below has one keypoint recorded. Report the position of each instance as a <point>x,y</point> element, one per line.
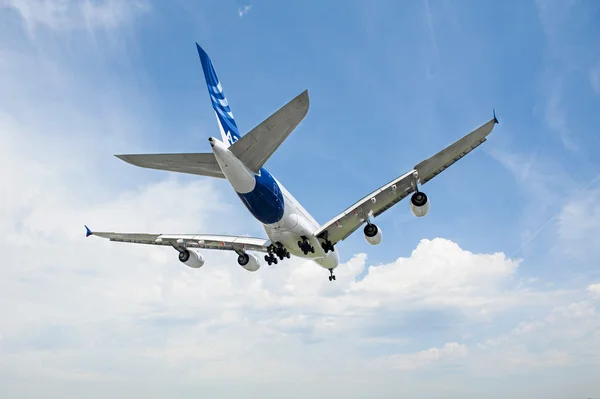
<point>283,218</point>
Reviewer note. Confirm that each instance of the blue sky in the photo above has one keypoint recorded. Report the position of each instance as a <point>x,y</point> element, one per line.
<point>508,253</point>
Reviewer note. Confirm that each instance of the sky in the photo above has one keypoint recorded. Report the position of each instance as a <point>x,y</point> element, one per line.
<point>494,293</point>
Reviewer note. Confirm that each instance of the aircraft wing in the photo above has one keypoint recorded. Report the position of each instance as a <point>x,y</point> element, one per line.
<point>203,164</point>
<point>382,199</point>
<point>205,241</point>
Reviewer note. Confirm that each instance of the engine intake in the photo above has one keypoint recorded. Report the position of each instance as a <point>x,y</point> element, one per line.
<point>249,262</point>
<point>419,204</point>
<point>372,234</point>
<point>191,258</point>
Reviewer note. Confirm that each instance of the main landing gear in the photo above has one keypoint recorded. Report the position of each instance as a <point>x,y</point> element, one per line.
<point>278,250</point>
<point>305,246</point>
<point>331,275</point>
<point>326,244</point>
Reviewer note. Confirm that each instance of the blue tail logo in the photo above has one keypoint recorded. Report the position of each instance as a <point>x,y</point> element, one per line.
<point>227,125</point>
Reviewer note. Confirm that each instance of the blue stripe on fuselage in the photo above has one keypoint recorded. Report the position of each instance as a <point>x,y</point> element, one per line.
<point>265,202</point>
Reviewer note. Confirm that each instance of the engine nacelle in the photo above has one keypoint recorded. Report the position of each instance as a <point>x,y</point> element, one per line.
<point>419,204</point>
<point>372,234</point>
<point>191,258</point>
<point>249,262</point>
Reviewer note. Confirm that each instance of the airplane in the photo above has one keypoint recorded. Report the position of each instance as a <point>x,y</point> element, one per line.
<point>290,228</point>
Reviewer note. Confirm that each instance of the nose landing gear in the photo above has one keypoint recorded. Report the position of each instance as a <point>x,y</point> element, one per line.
<point>331,275</point>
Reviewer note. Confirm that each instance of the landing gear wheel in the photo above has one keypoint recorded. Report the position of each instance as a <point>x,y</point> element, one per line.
<point>270,258</point>
<point>305,246</point>
<point>279,250</point>
<point>331,276</point>
<point>327,246</point>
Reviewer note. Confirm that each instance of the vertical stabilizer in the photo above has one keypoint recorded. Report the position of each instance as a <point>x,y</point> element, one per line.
<point>227,125</point>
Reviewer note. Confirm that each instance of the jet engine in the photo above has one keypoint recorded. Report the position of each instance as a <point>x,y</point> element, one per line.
<point>419,204</point>
<point>191,258</point>
<point>372,234</point>
<point>248,262</point>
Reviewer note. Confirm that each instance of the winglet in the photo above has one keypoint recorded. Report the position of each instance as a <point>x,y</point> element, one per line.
<point>495,119</point>
<point>88,232</point>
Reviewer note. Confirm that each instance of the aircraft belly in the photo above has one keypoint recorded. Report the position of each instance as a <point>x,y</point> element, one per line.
<point>266,201</point>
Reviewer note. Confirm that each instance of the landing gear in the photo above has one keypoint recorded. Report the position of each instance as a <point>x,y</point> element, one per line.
<point>305,246</point>
<point>270,259</point>
<point>326,244</point>
<point>331,275</point>
<point>278,250</point>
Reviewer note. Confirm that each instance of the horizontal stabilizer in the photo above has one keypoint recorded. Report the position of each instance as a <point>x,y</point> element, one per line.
<point>203,164</point>
<point>255,147</point>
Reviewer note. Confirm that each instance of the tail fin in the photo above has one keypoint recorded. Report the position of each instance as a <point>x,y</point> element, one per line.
<point>227,125</point>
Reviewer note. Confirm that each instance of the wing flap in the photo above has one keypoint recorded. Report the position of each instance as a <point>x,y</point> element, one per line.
<point>257,146</point>
<point>203,164</point>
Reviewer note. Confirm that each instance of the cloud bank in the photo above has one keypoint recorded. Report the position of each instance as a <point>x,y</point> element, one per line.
<point>89,316</point>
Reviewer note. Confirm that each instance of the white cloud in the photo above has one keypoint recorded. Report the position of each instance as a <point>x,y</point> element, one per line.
<point>565,337</point>
<point>242,11</point>
<point>441,274</point>
<point>594,290</point>
<point>88,15</point>
<point>413,361</point>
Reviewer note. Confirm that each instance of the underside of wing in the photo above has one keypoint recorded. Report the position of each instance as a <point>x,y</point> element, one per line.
<point>204,241</point>
<point>372,205</point>
<point>203,164</point>
<point>382,199</point>
<point>436,164</point>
